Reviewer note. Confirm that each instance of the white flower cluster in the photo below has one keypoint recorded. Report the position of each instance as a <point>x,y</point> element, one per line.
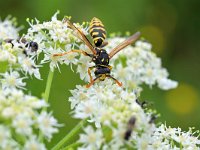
<point>24,122</point>
<point>111,108</point>
<point>14,54</point>
<point>21,120</point>
<point>138,64</point>
<point>55,37</point>
<point>167,138</point>
<point>8,29</point>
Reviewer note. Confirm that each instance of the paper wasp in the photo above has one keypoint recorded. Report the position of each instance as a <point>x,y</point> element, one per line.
<point>99,56</point>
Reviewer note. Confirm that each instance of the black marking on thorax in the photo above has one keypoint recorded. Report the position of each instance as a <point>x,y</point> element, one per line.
<point>101,58</point>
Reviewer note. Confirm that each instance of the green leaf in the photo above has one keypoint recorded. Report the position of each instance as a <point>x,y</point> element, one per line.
<point>3,66</point>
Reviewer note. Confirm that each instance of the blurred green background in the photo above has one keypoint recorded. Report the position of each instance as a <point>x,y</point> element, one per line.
<point>172,26</point>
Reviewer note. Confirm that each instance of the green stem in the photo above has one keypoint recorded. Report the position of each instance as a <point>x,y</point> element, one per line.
<point>181,146</point>
<point>71,146</point>
<point>69,135</point>
<point>48,85</point>
<point>46,94</point>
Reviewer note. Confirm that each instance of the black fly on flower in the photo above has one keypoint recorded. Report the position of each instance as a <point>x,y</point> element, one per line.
<point>99,56</point>
<point>26,46</point>
<point>131,124</point>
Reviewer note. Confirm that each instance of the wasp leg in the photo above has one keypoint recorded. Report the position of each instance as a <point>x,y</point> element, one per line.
<point>119,83</point>
<point>73,51</point>
<point>91,83</point>
<point>89,72</point>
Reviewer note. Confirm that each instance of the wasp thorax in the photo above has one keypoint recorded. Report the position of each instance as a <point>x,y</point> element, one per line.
<point>97,31</point>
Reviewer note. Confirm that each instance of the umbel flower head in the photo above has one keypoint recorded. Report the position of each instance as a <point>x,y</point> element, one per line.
<point>24,121</point>
<point>21,119</point>
<point>111,108</point>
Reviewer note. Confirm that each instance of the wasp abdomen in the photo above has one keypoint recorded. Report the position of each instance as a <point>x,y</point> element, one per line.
<point>97,31</point>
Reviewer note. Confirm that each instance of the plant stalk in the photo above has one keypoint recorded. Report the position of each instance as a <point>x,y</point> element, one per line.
<point>69,135</point>
<point>46,94</point>
<point>71,146</point>
<point>48,85</point>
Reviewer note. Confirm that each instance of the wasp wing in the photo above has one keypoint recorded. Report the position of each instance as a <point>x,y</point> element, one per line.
<point>125,43</point>
<point>81,35</point>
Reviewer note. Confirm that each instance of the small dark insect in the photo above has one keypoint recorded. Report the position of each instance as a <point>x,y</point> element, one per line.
<point>143,104</point>
<point>32,45</point>
<point>153,118</point>
<point>29,46</point>
<point>99,56</point>
<point>131,124</point>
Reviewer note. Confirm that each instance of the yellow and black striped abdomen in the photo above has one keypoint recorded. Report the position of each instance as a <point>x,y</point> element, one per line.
<point>97,31</point>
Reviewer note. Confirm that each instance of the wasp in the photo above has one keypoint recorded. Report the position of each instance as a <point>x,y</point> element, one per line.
<point>98,55</point>
<point>131,124</point>
<point>29,45</point>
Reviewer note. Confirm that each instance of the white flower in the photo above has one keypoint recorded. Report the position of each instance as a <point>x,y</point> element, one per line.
<point>91,139</point>
<point>54,61</point>
<point>8,29</point>
<point>167,84</point>
<point>12,79</point>
<point>85,109</point>
<point>83,65</point>
<point>47,124</point>
<point>6,53</point>
<point>34,103</point>
<point>34,144</point>
<point>117,137</point>
<point>22,123</point>
<point>144,45</point>
<point>28,66</point>
<point>71,57</point>
<point>11,145</point>
<point>4,135</point>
